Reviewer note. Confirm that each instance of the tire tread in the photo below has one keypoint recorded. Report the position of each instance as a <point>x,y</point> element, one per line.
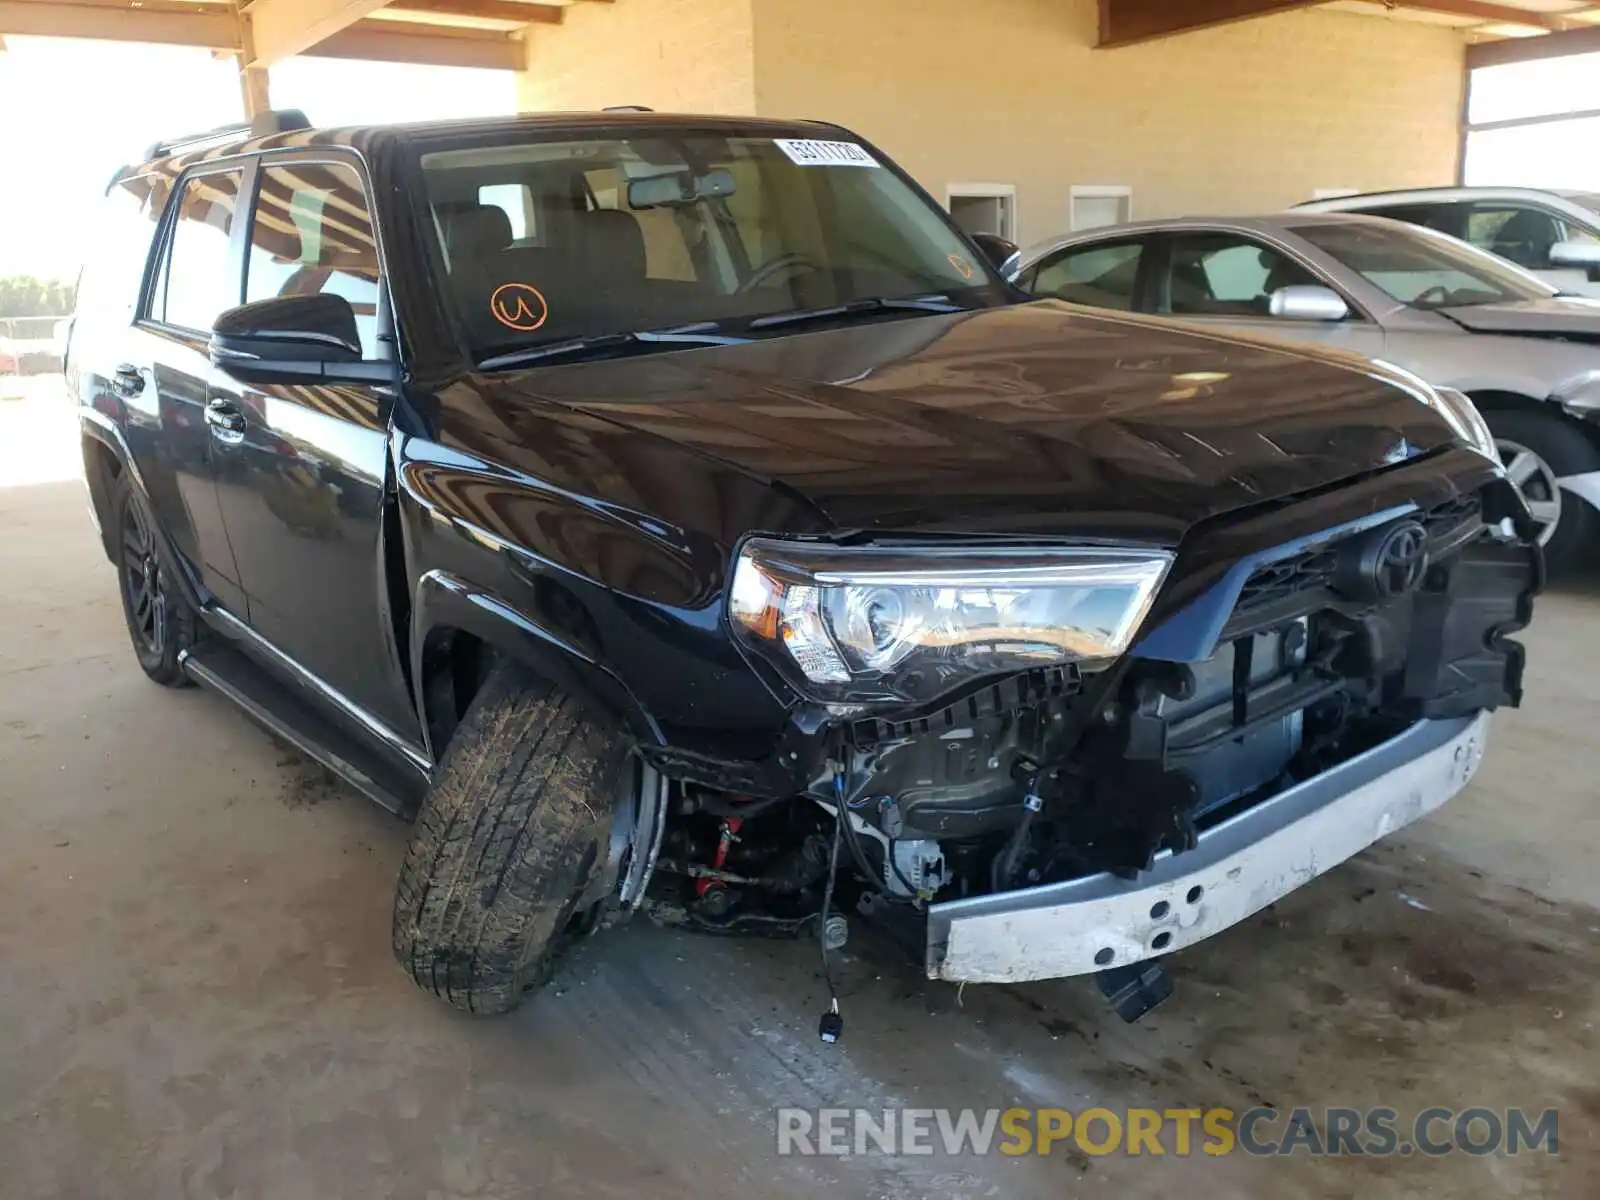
<point>505,843</point>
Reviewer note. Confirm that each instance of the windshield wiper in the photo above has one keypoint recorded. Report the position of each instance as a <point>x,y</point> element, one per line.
<point>601,343</point>
<point>937,303</point>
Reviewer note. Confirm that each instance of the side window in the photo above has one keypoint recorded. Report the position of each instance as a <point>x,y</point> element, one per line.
<point>113,269</point>
<point>1446,218</point>
<point>1515,232</point>
<point>1220,274</point>
<point>199,281</point>
<point>312,233</point>
<point>515,200</point>
<point>1100,276</point>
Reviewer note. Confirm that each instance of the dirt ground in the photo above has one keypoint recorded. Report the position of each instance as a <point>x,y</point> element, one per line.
<point>198,997</point>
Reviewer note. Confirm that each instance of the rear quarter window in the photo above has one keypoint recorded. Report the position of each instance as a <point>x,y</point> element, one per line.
<point>114,265</point>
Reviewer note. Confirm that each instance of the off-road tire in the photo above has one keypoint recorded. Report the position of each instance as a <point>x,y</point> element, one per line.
<point>1569,452</point>
<point>176,621</point>
<point>506,844</point>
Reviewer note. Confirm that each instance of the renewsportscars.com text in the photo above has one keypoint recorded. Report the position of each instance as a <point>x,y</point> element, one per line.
<point>1180,1132</point>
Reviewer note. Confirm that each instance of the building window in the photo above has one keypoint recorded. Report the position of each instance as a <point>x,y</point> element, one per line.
<point>984,207</point>
<point>1094,206</point>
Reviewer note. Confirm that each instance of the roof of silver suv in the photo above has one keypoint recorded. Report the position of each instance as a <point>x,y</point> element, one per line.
<point>1579,206</point>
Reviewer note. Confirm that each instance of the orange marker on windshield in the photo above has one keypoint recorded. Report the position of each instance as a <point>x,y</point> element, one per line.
<point>519,306</point>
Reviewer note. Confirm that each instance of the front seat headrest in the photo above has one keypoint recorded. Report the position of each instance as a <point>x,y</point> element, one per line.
<point>613,244</point>
<point>476,232</point>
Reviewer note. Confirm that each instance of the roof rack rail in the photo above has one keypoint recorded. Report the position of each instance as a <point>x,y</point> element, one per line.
<point>279,120</point>
<point>626,108</point>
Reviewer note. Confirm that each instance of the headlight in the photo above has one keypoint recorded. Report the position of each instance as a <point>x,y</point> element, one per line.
<point>1454,406</point>
<point>883,624</point>
<point>1469,422</point>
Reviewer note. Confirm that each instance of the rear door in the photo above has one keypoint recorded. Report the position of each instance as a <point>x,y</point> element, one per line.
<point>303,470</point>
<point>163,374</point>
<point>1101,274</point>
<point>1226,279</point>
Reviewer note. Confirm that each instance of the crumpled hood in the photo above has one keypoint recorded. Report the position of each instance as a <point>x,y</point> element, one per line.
<point>1576,316</point>
<point>1040,418</point>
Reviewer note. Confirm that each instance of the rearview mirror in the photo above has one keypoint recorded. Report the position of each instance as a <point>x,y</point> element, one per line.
<point>1576,254</point>
<point>1309,302</point>
<point>1001,252</point>
<point>679,188</point>
<point>294,339</point>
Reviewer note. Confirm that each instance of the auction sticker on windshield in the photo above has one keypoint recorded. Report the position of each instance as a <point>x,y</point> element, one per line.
<point>809,153</point>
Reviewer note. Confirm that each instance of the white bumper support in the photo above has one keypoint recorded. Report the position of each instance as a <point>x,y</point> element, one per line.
<point>1238,868</point>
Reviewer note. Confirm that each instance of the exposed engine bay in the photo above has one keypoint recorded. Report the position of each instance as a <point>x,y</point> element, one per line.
<point>1325,648</point>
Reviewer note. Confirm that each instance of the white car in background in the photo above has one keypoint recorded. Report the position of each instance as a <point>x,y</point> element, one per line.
<point>1555,234</point>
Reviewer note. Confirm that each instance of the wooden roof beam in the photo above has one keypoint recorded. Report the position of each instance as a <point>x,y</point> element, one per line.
<point>210,25</point>
<point>434,45</point>
<point>1129,22</point>
<point>281,28</point>
<point>1478,10</point>
<point>497,10</point>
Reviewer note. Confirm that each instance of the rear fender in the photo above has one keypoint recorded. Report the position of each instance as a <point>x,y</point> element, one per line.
<point>96,425</point>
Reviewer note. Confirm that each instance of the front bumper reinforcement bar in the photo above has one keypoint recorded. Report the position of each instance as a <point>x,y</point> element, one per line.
<point>1238,868</point>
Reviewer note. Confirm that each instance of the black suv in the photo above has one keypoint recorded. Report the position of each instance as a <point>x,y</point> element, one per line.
<point>682,511</point>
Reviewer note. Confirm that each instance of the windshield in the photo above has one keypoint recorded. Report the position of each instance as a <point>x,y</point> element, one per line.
<point>544,242</point>
<point>1420,267</point>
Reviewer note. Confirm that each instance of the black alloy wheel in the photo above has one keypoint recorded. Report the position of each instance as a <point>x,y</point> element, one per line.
<point>161,624</point>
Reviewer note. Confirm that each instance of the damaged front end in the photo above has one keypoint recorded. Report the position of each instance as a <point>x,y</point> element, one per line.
<point>1295,684</point>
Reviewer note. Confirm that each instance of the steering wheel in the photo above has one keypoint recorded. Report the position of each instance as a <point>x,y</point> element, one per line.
<point>1437,294</point>
<point>791,261</point>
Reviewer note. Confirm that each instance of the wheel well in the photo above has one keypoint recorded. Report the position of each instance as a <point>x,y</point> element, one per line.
<point>455,664</point>
<point>1489,401</point>
<point>101,467</point>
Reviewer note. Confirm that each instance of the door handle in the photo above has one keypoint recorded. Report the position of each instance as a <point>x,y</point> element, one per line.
<point>226,421</point>
<point>127,380</point>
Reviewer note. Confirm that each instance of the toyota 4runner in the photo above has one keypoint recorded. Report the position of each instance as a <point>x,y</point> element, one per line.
<point>683,512</point>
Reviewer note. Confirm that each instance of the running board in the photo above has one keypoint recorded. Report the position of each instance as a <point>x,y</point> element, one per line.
<point>278,710</point>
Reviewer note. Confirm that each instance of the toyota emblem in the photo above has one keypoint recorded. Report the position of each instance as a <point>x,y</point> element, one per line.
<point>1400,560</point>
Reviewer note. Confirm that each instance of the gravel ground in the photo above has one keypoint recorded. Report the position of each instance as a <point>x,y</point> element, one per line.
<point>199,998</point>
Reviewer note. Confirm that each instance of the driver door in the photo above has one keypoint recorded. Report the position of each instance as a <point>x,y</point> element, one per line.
<point>303,469</point>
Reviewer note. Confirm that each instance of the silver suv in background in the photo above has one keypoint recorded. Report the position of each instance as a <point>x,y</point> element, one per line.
<point>1555,234</point>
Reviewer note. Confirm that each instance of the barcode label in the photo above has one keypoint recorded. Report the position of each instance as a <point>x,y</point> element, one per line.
<point>808,153</point>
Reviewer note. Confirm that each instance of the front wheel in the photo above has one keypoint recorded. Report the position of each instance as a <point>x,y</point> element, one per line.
<point>1538,449</point>
<point>536,829</point>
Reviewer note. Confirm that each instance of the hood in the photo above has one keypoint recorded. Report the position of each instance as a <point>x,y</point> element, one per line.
<point>1576,317</point>
<point>1031,419</point>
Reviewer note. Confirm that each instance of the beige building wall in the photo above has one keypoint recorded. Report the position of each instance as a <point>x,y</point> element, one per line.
<point>671,55</point>
<point>1246,117</point>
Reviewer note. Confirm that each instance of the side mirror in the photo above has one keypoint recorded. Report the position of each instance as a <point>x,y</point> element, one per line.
<point>1001,252</point>
<point>294,339</point>
<point>1583,255</point>
<point>1309,302</point>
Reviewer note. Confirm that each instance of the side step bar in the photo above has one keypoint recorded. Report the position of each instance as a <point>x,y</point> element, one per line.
<point>278,710</point>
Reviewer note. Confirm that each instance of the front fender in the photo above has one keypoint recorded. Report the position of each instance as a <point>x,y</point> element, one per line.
<point>446,601</point>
